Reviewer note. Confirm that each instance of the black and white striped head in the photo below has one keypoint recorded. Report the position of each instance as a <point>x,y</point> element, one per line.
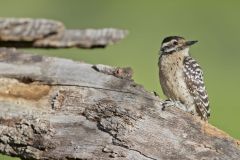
<point>174,44</point>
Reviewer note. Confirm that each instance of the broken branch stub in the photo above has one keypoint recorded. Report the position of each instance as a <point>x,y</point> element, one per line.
<point>43,33</point>
<point>52,108</point>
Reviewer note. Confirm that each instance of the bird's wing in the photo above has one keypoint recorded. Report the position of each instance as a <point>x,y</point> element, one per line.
<point>194,79</point>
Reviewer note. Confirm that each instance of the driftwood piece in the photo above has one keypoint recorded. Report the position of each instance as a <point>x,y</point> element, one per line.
<point>43,33</point>
<point>52,108</point>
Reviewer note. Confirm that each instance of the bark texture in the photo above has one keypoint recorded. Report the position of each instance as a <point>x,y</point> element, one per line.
<point>52,108</point>
<point>43,33</point>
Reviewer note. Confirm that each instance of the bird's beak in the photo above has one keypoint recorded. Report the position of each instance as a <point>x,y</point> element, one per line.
<point>189,43</point>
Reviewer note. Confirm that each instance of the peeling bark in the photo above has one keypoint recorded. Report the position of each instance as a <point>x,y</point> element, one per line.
<point>52,108</point>
<point>43,33</point>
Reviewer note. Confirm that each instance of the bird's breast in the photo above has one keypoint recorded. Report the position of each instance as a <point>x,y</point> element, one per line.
<point>171,77</point>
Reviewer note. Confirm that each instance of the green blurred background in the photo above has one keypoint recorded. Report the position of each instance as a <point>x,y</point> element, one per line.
<point>216,24</point>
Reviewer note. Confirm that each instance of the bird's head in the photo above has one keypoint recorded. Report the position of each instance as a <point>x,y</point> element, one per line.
<point>175,44</point>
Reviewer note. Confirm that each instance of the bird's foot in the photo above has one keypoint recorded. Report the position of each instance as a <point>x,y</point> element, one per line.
<point>167,103</point>
<point>170,103</point>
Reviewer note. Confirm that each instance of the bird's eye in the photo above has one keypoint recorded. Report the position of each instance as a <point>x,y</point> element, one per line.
<point>175,43</point>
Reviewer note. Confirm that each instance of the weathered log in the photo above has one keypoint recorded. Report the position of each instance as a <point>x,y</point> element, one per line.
<point>52,108</point>
<point>43,33</point>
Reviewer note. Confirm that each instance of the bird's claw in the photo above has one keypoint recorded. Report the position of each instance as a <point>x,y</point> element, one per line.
<point>170,103</point>
<point>167,103</point>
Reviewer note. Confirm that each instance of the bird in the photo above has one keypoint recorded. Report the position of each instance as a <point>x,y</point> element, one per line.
<point>181,77</point>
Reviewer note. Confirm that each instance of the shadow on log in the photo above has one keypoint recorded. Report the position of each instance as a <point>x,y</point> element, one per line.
<point>52,108</point>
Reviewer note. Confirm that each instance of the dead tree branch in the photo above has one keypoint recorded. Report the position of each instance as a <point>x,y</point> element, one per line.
<point>43,33</point>
<point>52,108</point>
